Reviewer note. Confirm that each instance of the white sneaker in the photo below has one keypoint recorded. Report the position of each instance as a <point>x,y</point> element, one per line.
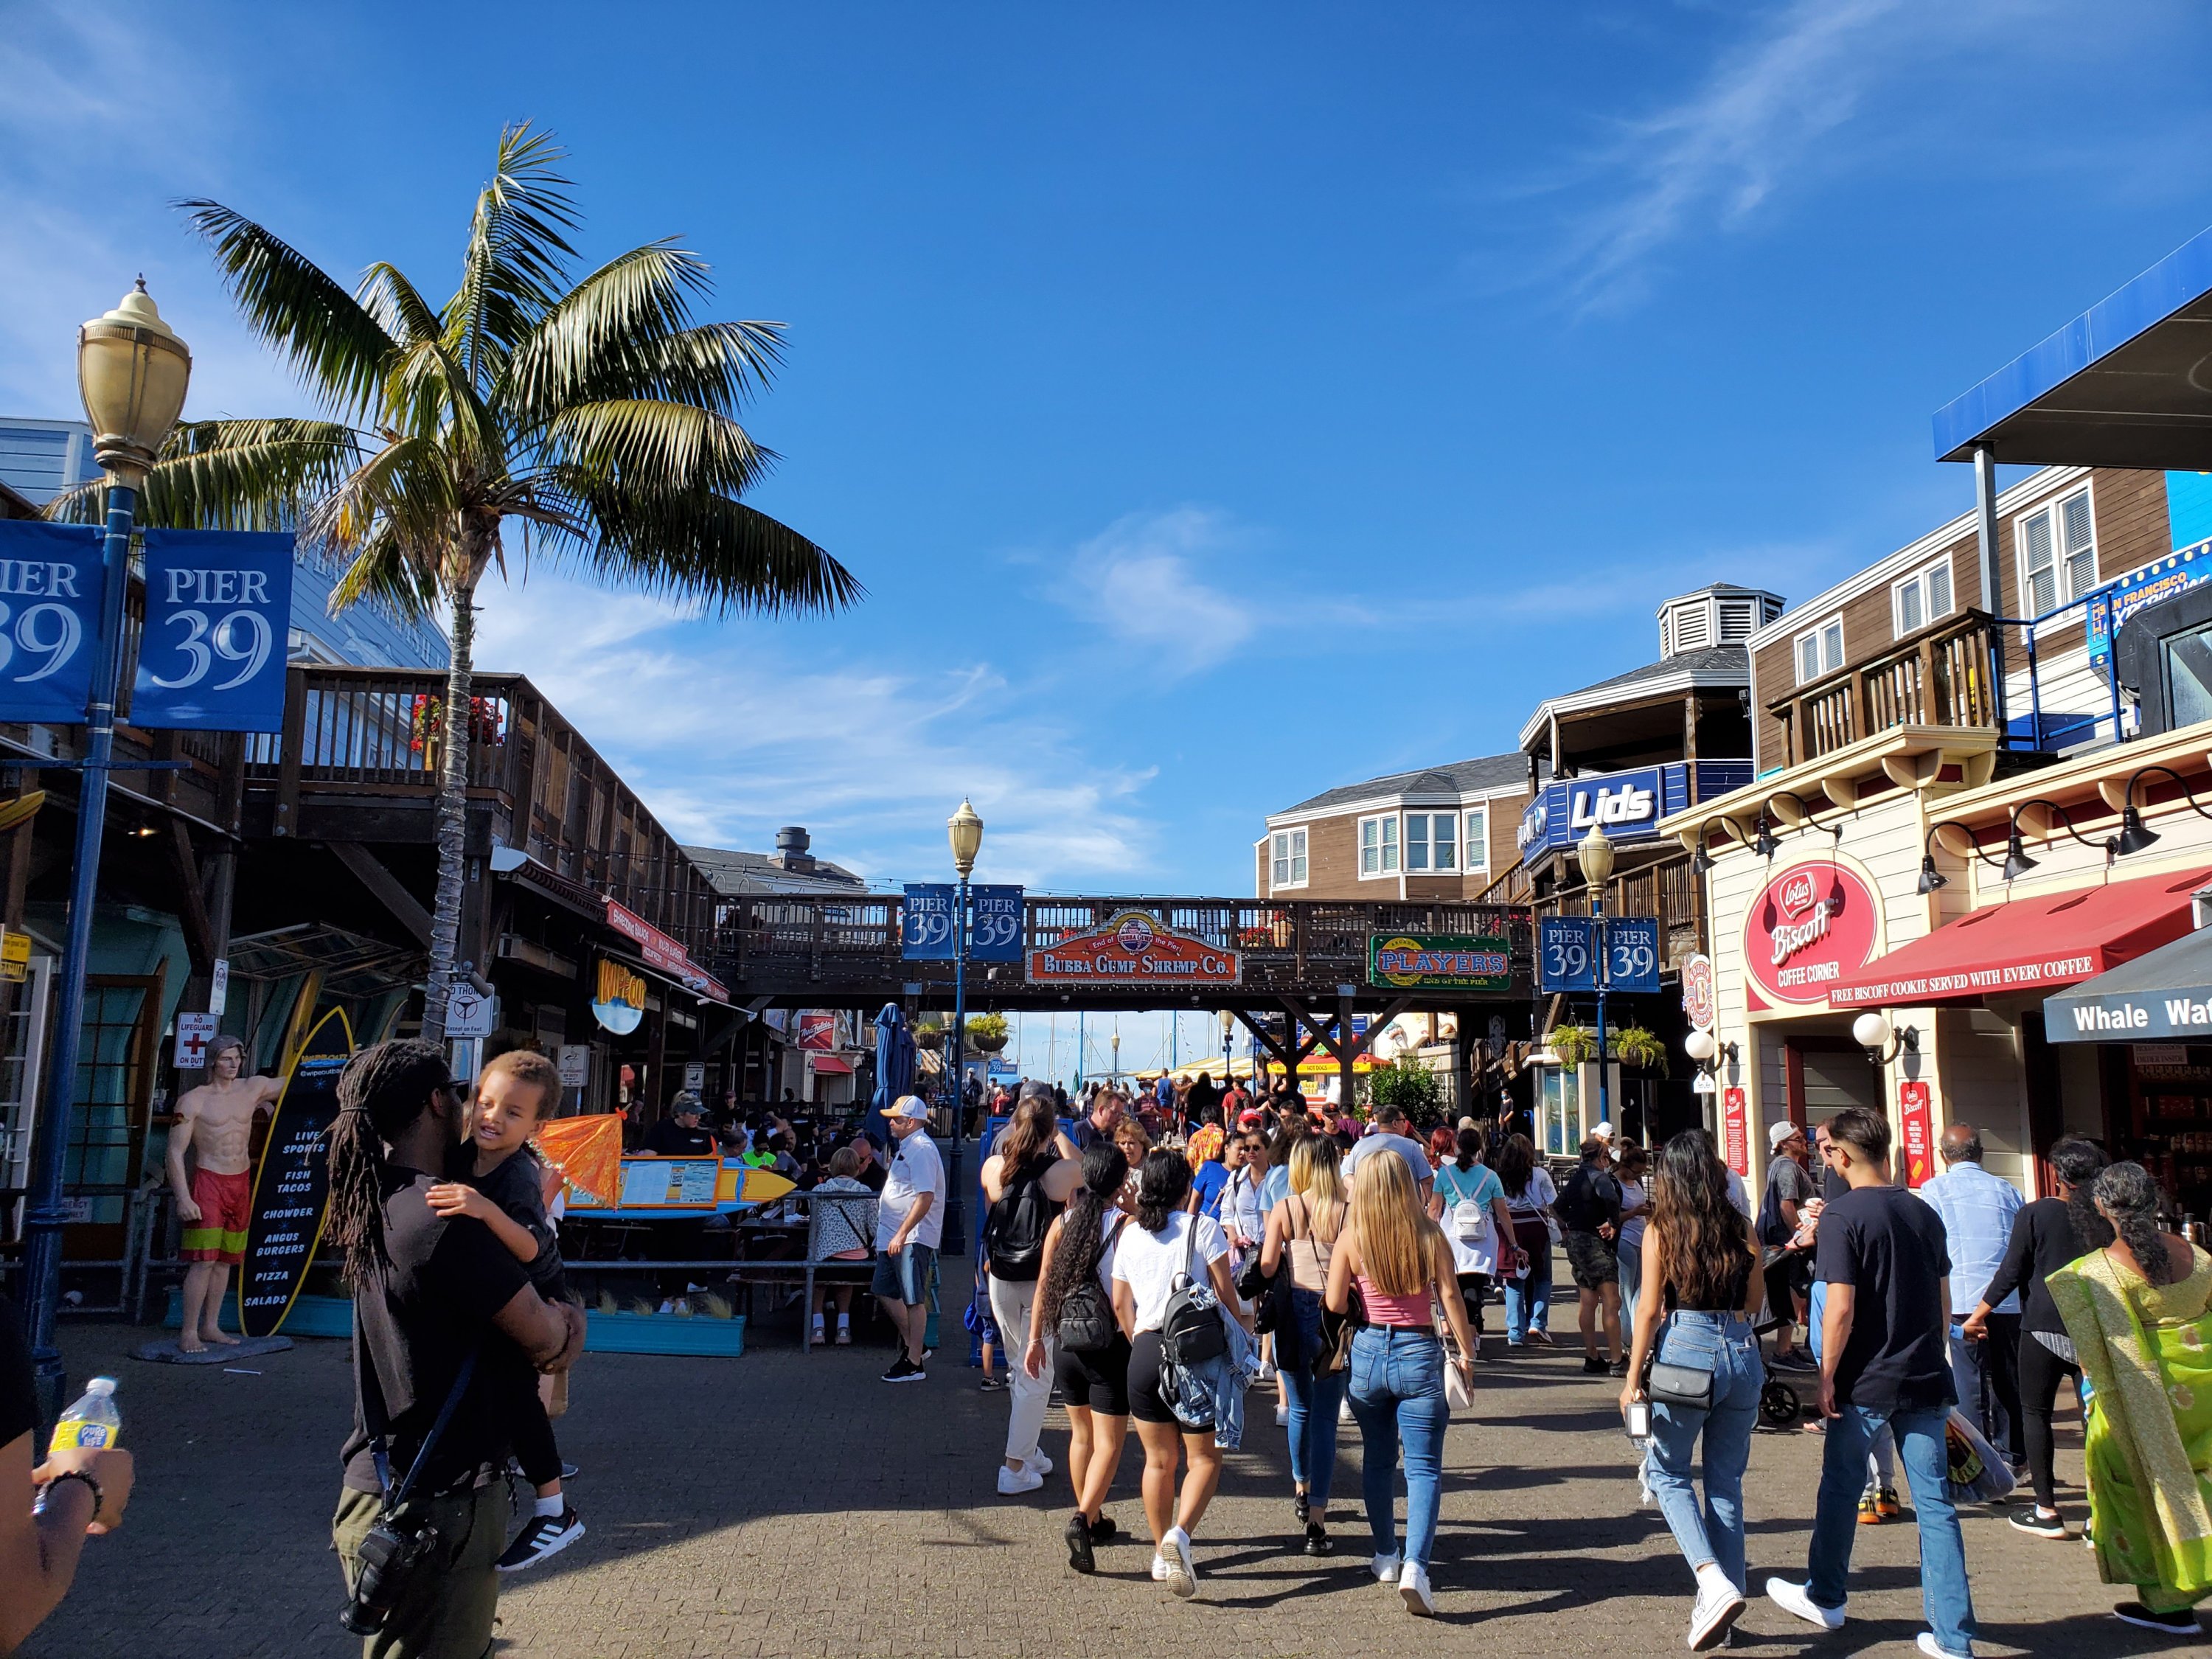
<point>1936,1650</point>
<point>1159,1569</point>
<point>1385,1569</point>
<point>1282,1417</point>
<point>1038,1463</point>
<point>1791,1598</point>
<point>1716,1609</point>
<point>1344,1409</point>
<point>1414,1585</point>
<point>1182,1578</point>
<point>1012,1483</point>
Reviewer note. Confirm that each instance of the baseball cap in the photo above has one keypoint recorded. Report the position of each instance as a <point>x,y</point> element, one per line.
<point>1468,1123</point>
<point>911,1106</point>
<point>685,1101</point>
<point>1603,1132</point>
<point>1778,1133</point>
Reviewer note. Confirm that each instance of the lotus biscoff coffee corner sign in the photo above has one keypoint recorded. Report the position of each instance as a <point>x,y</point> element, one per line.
<point>1811,924</point>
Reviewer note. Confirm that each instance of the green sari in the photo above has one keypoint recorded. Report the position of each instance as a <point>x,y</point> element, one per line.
<point>2146,1351</point>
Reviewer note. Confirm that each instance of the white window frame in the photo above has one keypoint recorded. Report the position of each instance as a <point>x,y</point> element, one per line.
<point>1292,858</point>
<point>1427,819</point>
<point>1474,841</point>
<point>1389,842</point>
<point>1920,585</point>
<point>1823,634</point>
<point>2053,511</point>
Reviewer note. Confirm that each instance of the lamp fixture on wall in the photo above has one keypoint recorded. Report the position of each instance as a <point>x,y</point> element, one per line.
<point>1931,876</point>
<point>2017,862</point>
<point>1872,1031</point>
<point>2135,835</point>
<point>1708,1055</point>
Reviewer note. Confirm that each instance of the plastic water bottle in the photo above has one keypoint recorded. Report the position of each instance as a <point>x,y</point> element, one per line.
<point>92,1423</point>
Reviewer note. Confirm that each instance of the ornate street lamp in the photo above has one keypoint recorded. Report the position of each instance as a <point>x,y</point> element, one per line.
<point>132,372</point>
<point>964,831</point>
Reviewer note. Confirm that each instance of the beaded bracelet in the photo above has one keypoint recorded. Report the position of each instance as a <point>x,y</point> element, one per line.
<point>98,1497</point>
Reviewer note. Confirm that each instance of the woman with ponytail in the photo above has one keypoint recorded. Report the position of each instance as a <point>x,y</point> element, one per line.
<point>432,1294</point>
<point>2140,1314</point>
<point>1094,1382</point>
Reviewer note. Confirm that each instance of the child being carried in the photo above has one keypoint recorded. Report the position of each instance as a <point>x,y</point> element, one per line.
<point>501,1184</point>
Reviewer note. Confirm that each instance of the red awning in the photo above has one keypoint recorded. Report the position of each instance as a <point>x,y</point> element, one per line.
<point>2028,945</point>
<point>831,1065</point>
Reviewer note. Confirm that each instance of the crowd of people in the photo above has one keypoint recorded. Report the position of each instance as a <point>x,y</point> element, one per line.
<point>1156,1273</point>
<point>1153,1283</point>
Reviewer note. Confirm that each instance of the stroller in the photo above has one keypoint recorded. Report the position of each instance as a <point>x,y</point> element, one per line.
<point>1780,1404</point>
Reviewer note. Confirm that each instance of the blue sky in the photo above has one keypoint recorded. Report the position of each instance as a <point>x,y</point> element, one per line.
<point>1219,402</point>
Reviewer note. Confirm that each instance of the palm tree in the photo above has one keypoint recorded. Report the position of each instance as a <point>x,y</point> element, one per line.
<point>595,415</point>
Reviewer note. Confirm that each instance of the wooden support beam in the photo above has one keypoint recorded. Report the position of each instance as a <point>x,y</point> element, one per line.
<point>387,889</point>
<point>200,945</point>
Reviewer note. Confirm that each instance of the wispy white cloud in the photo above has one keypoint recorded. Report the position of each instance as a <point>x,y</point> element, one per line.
<point>1142,578</point>
<point>728,730</point>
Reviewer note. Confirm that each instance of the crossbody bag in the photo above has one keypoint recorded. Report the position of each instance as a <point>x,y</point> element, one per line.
<point>396,1546</point>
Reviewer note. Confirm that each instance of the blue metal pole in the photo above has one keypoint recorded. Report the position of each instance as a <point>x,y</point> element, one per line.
<point>1604,973</point>
<point>955,1208</point>
<point>43,1220</point>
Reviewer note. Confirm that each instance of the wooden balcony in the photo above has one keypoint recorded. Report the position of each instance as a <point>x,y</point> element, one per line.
<point>358,761</point>
<point>1938,676</point>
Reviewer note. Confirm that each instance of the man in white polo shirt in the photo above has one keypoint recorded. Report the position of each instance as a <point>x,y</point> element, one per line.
<point>909,1221</point>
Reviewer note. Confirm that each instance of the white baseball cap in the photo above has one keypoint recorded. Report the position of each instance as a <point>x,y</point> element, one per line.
<point>911,1106</point>
<point>1778,1133</point>
<point>1603,1132</point>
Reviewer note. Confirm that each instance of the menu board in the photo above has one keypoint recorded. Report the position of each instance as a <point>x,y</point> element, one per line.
<point>292,1187</point>
<point>663,1183</point>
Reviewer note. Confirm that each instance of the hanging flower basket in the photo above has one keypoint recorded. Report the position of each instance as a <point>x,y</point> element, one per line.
<point>929,1038</point>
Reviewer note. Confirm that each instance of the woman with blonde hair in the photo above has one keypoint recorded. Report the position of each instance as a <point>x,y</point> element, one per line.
<point>1399,1258</point>
<point>1304,1226</point>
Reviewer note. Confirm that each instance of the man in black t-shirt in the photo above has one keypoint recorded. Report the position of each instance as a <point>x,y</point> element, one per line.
<point>1883,1364</point>
<point>678,1135</point>
<point>429,1290</point>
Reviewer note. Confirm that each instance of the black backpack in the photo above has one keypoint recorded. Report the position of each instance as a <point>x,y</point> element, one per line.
<point>1014,1230</point>
<point>1086,1323</point>
<point>1579,1206</point>
<point>1194,1329</point>
<point>1773,1228</point>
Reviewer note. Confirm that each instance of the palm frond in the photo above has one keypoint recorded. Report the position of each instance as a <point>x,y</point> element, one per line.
<point>383,566</point>
<point>642,296</point>
<point>650,445</point>
<point>397,306</point>
<point>697,545</point>
<point>518,256</point>
<point>297,308</point>
<point>247,475</point>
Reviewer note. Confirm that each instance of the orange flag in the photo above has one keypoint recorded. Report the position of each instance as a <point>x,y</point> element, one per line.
<point>587,1151</point>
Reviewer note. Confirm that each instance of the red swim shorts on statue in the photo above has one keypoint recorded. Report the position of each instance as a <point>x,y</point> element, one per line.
<point>220,1233</point>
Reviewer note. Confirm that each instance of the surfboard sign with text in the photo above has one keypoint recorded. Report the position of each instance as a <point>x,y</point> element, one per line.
<point>292,1187</point>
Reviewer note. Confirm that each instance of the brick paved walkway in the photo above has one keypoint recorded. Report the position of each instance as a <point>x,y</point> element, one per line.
<point>788,1505</point>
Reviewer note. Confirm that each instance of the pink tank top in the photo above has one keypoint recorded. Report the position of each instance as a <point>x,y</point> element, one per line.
<point>1414,1310</point>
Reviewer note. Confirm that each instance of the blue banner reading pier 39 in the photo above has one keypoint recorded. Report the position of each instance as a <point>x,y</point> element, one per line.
<point>50,576</point>
<point>218,621</point>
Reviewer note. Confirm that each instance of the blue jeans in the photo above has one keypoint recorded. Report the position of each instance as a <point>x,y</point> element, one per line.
<point>1529,1301</point>
<point>1631,1281</point>
<point>1314,1400</point>
<point>1944,1595</point>
<point>1398,1397</point>
<point>1723,1345</point>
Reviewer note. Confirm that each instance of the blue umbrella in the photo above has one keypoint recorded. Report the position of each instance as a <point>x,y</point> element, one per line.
<point>894,1070</point>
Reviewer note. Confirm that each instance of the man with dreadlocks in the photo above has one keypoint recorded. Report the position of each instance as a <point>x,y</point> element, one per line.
<point>430,1293</point>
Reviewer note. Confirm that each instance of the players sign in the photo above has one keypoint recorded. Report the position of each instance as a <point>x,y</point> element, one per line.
<point>1440,962</point>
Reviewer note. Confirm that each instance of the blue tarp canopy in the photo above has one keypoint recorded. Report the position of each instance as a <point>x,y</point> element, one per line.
<point>2128,383</point>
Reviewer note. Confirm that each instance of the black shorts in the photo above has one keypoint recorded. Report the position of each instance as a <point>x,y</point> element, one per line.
<point>1098,1381</point>
<point>1147,1404</point>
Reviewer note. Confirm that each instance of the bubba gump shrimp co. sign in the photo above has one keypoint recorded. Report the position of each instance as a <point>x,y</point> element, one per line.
<point>1134,948</point>
<point>1809,925</point>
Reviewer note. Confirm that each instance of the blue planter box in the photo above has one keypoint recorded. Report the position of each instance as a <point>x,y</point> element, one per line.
<point>694,1335</point>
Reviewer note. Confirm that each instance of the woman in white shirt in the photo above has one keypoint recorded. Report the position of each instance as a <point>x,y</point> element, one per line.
<point>1530,1194</point>
<point>1470,1205</point>
<point>1161,1244</point>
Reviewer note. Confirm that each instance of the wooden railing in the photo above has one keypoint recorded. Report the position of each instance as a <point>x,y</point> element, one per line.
<point>358,738</point>
<point>790,946</point>
<point>1938,676</point>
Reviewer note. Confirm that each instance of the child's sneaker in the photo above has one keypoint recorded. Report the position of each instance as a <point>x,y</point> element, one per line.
<point>544,1535</point>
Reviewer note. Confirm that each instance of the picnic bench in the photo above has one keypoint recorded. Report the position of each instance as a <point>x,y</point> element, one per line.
<point>815,1214</point>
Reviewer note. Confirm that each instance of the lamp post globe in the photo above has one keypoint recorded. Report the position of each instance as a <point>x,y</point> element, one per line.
<point>1700,1046</point>
<point>133,371</point>
<point>1871,1030</point>
<point>965,831</point>
<point>1594,852</point>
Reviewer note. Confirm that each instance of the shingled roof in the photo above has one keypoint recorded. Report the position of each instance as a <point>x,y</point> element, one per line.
<point>1466,777</point>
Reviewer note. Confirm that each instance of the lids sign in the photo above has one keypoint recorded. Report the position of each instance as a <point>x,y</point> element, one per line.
<point>1811,925</point>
